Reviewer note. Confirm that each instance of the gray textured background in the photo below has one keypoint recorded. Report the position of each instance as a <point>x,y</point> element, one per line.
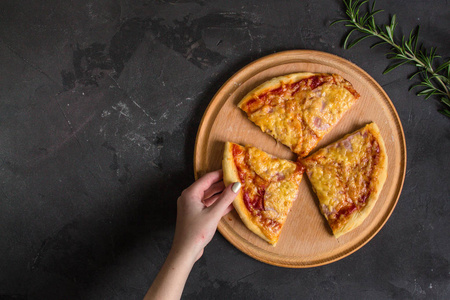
<point>100,102</point>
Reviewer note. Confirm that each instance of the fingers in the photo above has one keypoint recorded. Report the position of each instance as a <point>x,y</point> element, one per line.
<point>205,182</point>
<point>221,205</point>
<point>208,202</point>
<point>214,189</point>
<point>228,209</point>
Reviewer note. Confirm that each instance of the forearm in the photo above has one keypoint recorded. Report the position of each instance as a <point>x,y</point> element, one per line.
<point>199,209</point>
<point>170,281</point>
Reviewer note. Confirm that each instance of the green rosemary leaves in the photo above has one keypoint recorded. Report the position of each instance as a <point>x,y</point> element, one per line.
<point>434,72</point>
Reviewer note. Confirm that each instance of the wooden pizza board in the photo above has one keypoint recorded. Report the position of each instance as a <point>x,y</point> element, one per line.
<point>306,239</point>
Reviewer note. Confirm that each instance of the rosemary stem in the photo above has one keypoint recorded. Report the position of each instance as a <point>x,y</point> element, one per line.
<point>435,79</point>
<point>410,55</point>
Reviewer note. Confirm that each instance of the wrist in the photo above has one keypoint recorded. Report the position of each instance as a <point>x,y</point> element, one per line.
<point>172,277</point>
<point>183,255</point>
<point>188,248</point>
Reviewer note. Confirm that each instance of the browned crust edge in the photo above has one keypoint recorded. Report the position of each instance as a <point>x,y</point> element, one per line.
<point>231,175</point>
<point>380,173</point>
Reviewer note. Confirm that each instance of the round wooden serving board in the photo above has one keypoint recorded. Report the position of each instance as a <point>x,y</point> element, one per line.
<point>306,239</point>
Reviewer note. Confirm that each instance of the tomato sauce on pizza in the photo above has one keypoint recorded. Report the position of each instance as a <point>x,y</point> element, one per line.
<point>269,188</point>
<point>347,177</point>
<point>300,108</point>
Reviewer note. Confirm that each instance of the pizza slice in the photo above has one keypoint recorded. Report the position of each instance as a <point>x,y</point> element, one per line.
<point>347,177</point>
<point>269,188</point>
<point>300,108</point>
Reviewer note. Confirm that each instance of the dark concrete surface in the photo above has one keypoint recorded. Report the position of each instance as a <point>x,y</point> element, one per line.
<point>100,102</point>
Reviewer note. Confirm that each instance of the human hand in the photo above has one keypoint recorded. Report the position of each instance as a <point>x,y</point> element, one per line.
<point>199,210</point>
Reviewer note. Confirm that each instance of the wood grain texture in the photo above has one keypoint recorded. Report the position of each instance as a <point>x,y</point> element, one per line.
<point>306,240</point>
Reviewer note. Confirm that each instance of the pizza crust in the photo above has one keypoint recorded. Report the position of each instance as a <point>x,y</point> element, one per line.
<point>380,172</point>
<point>273,84</point>
<point>299,109</point>
<point>230,175</point>
<point>313,118</point>
<point>378,178</point>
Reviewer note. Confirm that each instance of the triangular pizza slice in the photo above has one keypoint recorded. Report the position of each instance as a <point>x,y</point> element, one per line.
<point>269,188</point>
<point>347,177</point>
<point>299,109</point>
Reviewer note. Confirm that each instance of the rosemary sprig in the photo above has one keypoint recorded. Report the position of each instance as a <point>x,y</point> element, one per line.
<point>435,78</point>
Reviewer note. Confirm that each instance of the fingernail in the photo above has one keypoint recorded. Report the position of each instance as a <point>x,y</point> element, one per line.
<point>236,187</point>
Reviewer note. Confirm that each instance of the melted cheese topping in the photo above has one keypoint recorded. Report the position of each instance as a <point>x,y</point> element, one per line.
<point>342,175</point>
<point>299,116</point>
<point>325,107</point>
<point>270,186</point>
<point>268,167</point>
<point>278,199</point>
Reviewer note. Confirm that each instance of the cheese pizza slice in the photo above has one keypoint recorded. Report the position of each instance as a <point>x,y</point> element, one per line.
<point>299,109</point>
<point>269,188</point>
<point>347,177</point>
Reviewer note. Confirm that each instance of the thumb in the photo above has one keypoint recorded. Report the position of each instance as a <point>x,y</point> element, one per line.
<point>225,199</point>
